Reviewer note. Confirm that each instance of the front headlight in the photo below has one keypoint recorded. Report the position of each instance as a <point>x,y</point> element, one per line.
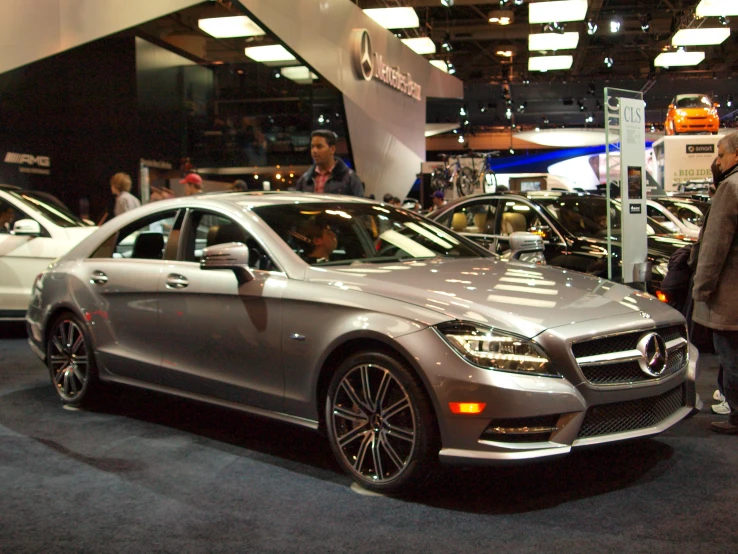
<point>495,349</point>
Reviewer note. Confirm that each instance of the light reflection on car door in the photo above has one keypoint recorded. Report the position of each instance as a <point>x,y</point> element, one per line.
<point>223,339</point>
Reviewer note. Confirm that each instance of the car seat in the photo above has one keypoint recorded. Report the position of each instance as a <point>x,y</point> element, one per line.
<point>513,222</point>
<point>458,223</point>
<point>148,246</point>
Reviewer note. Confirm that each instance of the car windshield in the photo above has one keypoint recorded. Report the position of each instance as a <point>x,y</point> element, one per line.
<point>343,233</point>
<point>586,216</point>
<point>697,101</point>
<point>53,210</point>
<point>690,212</point>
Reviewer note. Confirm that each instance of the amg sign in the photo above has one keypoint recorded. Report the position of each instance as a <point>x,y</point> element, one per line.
<point>27,159</point>
<point>370,65</point>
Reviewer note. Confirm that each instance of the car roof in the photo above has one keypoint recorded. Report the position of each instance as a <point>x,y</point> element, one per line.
<point>680,96</point>
<point>265,198</point>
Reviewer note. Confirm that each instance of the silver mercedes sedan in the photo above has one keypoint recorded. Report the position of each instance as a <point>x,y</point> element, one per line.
<point>406,343</point>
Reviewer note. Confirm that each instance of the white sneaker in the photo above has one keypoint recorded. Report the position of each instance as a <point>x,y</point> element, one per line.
<point>717,396</point>
<point>721,408</point>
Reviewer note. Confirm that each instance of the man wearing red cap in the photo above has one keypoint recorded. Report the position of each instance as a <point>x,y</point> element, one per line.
<point>192,184</point>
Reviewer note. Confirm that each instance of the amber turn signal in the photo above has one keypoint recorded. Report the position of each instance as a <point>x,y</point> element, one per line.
<point>466,407</point>
<point>661,296</point>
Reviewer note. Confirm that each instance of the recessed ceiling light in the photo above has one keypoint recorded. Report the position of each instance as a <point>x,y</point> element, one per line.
<point>501,17</point>
<point>680,58</point>
<point>420,45</point>
<point>591,27</point>
<point>549,63</point>
<point>272,54</point>
<point>227,27</point>
<point>299,74</point>
<point>394,18</point>
<point>557,11</point>
<point>440,64</point>
<point>551,41</point>
<point>708,8</point>
<point>694,37</point>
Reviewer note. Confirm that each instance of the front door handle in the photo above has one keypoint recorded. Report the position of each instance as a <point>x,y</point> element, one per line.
<point>175,281</point>
<point>98,278</point>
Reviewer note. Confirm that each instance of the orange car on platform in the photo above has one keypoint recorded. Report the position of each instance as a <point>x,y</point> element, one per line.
<point>692,113</point>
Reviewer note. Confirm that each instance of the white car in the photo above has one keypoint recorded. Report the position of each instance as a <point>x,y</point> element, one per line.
<point>679,215</point>
<point>40,231</point>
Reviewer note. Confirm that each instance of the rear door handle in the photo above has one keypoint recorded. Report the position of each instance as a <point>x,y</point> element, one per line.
<point>175,281</point>
<point>98,278</point>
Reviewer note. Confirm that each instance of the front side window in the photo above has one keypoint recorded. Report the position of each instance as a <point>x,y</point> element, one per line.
<point>209,229</point>
<point>339,234</point>
<point>472,217</point>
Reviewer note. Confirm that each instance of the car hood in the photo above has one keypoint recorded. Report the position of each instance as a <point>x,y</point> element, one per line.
<point>522,298</point>
<point>658,246</point>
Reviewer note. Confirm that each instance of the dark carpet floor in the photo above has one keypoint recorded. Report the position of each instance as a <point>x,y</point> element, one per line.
<point>152,473</point>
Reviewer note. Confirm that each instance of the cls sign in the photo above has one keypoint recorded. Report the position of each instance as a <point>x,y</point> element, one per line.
<point>27,159</point>
<point>631,114</point>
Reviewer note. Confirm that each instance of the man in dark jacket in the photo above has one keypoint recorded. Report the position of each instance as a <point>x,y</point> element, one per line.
<point>328,174</point>
<point>715,301</point>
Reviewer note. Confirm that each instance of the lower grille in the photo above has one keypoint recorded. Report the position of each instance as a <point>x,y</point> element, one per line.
<point>620,417</point>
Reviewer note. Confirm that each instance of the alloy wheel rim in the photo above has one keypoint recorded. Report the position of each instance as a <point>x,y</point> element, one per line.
<point>68,360</point>
<point>374,423</point>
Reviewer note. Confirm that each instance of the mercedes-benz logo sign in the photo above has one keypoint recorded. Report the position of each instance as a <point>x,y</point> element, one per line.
<point>654,355</point>
<point>362,54</point>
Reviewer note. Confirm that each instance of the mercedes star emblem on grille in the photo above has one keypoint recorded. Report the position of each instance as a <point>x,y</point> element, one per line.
<point>654,355</point>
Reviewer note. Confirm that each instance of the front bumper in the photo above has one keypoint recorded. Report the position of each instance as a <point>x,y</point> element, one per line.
<point>528,417</point>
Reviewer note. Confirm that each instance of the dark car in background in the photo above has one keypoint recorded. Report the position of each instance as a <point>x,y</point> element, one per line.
<point>573,227</point>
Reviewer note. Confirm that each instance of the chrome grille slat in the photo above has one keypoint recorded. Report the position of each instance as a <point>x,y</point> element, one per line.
<point>620,417</point>
<point>613,360</point>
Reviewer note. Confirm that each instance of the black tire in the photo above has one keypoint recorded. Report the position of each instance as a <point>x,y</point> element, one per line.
<point>438,182</point>
<point>466,183</point>
<point>71,361</point>
<point>380,424</point>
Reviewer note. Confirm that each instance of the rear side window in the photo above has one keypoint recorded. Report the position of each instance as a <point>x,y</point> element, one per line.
<point>152,238</point>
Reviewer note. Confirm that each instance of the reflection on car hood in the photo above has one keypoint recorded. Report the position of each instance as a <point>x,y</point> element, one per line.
<point>658,246</point>
<point>522,298</point>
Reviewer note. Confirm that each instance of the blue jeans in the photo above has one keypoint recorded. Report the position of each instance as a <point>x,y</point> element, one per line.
<point>726,347</point>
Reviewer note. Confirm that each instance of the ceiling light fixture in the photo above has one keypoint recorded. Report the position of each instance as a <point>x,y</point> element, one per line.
<point>501,17</point>
<point>724,20</point>
<point>559,10</point>
<point>729,101</point>
<point>228,27</point>
<point>394,18</point>
<point>447,3</point>
<point>446,44</point>
<point>591,27</point>
<point>589,119</point>
<point>608,61</point>
<point>420,45</point>
<point>702,36</point>
<point>591,89</point>
<point>554,27</point>
<point>716,8</point>
<point>549,63</point>
<point>440,64</point>
<point>645,23</point>
<point>614,25</point>
<point>678,59</point>
<point>274,54</point>
<point>299,74</point>
<point>451,68</point>
<point>540,42</point>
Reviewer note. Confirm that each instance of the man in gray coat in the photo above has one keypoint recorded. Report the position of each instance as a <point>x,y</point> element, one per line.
<point>716,278</point>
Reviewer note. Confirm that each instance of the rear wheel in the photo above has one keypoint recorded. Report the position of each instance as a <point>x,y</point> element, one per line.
<point>466,182</point>
<point>438,181</point>
<point>70,361</point>
<point>380,424</point>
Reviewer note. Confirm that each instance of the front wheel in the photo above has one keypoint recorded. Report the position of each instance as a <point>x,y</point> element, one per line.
<point>380,424</point>
<point>71,362</point>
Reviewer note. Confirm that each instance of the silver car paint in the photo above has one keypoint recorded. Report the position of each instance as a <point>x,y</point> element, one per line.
<point>267,355</point>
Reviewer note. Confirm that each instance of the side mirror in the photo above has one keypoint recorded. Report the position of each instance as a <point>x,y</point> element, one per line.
<point>526,247</point>
<point>671,106</point>
<point>716,104</point>
<point>27,227</point>
<point>230,255</point>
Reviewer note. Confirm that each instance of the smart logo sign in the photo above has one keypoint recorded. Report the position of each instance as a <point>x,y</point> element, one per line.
<point>700,149</point>
<point>29,163</point>
<point>370,65</point>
